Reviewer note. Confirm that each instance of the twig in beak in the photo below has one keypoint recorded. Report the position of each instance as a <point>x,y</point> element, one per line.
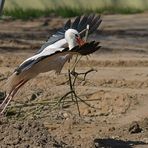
<point>82,31</point>
<point>86,33</point>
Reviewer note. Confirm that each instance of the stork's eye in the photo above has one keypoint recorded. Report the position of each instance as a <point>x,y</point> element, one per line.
<point>76,35</point>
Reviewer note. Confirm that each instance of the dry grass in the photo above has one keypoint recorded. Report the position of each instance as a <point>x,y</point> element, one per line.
<point>21,9</point>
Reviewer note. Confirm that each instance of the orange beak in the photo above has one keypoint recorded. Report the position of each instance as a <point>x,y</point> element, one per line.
<point>80,41</point>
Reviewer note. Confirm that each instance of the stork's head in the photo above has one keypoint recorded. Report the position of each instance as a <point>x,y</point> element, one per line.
<point>73,38</point>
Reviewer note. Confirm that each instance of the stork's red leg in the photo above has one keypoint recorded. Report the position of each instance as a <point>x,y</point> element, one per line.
<point>3,109</point>
<point>10,96</point>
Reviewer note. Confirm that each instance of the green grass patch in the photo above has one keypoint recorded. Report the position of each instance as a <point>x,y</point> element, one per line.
<point>119,10</point>
<point>19,13</point>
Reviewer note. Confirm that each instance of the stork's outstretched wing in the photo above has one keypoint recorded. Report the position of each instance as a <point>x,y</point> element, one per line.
<point>58,58</point>
<point>79,24</point>
<point>86,49</point>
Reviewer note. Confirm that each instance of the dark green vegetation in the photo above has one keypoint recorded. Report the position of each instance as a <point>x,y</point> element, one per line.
<point>19,13</point>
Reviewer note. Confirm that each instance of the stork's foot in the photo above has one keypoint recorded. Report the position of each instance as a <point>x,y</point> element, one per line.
<point>73,76</point>
<point>75,99</point>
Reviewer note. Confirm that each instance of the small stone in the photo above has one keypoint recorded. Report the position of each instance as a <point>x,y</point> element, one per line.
<point>79,129</point>
<point>134,128</point>
<point>27,146</point>
<point>18,126</point>
<point>115,137</point>
<point>65,115</point>
<point>33,97</point>
<point>104,114</point>
<point>46,108</point>
<point>53,128</point>
<point>145,140</point>
<point>86,112</point>
<point>111,129</point>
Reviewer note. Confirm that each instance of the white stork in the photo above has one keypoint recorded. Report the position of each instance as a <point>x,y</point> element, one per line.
<point>52,55</point>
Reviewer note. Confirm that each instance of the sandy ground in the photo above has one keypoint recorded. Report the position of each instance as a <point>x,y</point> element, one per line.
<point>117,91</point>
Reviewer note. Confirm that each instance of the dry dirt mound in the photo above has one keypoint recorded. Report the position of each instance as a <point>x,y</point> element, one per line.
<point>26,134</point>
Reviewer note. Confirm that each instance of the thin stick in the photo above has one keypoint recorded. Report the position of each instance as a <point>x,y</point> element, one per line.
<point>48,102</point>
<point>86,33</point>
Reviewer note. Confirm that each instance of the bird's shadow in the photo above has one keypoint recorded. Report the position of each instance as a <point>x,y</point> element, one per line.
<point>113,143</point>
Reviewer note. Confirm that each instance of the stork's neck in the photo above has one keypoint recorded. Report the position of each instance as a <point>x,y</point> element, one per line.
<point>71,44</point>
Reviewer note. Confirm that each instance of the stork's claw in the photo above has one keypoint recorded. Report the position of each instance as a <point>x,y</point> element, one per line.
<point>75,98</point>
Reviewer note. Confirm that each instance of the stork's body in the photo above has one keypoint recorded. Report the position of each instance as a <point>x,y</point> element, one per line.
<point>50,57</point>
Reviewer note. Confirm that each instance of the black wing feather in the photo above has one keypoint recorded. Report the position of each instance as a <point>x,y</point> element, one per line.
<point>95,26</point>
<point>76,23</point>
<point>67,25</point>
<point>82,25</point>
<point>79,24</point>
